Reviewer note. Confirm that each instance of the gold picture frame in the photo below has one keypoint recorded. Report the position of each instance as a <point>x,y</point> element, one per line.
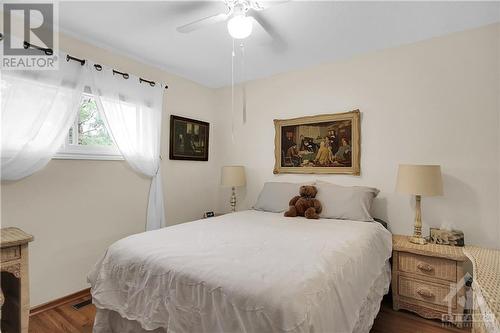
<point>323,144</point>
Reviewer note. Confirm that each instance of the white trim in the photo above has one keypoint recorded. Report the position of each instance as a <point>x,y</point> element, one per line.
<point>87,156</point>
<point>82,152</point>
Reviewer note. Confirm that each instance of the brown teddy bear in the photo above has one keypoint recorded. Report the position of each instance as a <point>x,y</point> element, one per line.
<point>305,204</point>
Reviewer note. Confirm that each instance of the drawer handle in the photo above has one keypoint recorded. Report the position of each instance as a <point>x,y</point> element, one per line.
<point>425,293</point>
<point>425,267</point>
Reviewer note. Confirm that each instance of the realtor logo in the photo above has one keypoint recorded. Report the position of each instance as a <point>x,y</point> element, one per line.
<point>474,309</point>
<point>461,299</point>
<point>29,38</point>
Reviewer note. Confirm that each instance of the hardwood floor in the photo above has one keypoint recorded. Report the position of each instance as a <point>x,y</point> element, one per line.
<point>65,319</point>
<point>390,321</point>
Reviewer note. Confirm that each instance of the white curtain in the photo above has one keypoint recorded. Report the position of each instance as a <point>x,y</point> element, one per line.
<point>133,112</point>
<point>38,108</point>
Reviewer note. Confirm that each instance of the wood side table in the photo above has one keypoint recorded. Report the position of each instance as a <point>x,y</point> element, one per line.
<point>428,279</point>
<point>14,292</point>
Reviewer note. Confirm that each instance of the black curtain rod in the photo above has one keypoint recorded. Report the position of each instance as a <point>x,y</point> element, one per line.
<point>49,51</point>
<point>99,68</point>
<point>151,83</point>
<point>125,75</point>
<point>81,61</point>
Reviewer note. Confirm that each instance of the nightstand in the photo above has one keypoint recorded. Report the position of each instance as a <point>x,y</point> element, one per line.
<point>428,279</point>
<point>15,304</point>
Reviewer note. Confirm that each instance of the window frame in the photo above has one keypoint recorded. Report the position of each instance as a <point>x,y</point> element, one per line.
<point>69,151</point>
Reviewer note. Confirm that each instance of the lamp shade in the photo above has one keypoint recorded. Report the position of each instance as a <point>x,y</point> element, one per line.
<point>422,180</point>
<point>233,175</point>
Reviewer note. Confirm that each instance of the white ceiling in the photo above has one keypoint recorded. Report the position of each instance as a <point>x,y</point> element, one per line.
<point>313,32</point>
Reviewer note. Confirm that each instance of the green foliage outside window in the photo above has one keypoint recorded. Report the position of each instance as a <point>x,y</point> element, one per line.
<point>91,128</point>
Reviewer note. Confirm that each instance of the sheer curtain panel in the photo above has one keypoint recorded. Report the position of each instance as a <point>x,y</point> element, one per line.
<point>38,108</point>
<point>132,111</point>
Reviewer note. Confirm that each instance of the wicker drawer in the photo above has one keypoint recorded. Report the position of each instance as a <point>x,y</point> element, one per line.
<point>10,253</point>
<point>429,266</point>
<point>425,291</point>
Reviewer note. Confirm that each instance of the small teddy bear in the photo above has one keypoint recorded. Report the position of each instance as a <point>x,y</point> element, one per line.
<point>305,204</point>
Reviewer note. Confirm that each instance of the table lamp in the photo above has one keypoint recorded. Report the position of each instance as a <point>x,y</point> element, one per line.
<point>419,180</point>
<point>233,176</point>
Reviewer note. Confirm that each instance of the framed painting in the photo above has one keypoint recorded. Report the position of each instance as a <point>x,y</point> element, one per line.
<point>188,139</point>
<point>327,143</point>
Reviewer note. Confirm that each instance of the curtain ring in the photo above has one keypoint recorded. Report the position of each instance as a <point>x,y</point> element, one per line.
<point>151,83</point>
<point>81,61</point>
<point>124,75</point>
<point>98,67</point>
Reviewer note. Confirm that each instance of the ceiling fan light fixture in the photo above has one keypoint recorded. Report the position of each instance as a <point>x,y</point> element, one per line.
<point>240,26</point>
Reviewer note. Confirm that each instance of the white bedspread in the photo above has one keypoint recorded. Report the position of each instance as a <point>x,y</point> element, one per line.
<point>244,272</point>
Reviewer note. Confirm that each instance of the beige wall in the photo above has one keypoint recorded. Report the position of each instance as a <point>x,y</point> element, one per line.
<point>436,101</point>
<point>77,208</point>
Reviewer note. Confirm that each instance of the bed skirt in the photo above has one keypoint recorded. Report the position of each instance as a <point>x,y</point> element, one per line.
<point>107,321</point>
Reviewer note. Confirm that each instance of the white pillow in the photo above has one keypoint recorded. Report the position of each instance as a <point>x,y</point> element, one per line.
<point>275,196</point>
<point>346,202</point>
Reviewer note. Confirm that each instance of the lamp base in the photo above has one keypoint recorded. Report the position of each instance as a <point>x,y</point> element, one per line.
<point>233,200</point>
<point>417,229</point>
<point>417,240</point>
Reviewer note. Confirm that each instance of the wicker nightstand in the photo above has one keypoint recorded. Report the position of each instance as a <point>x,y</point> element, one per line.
<point>427,279</point>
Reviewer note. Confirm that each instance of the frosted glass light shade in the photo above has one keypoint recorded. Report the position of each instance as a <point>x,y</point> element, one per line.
<point>422,180</point>
<point>240,26</point>
<point>233,176</point>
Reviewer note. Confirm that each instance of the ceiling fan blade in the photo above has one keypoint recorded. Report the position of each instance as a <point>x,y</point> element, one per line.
<point>201,23</point>
<point>182,8</point>
<point>279,43</point>
<point>261,5</point>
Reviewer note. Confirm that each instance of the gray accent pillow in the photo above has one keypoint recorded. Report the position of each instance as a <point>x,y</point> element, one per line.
<point>346,202</point>
<point>275,196</point>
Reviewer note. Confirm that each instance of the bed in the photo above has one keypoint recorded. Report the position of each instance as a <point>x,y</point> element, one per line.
<point>248,271</point>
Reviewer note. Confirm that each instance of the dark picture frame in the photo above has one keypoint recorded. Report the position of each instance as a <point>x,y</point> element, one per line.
<point>189,139</point>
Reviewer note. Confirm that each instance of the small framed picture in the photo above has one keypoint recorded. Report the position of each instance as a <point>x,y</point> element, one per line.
<point>188,139</point>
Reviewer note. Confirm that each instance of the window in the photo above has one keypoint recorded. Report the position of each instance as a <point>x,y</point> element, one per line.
<point>89,138</point>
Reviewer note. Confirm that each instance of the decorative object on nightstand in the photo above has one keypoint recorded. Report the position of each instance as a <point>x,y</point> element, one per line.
<point>233,176</point>
<point>446,237</point>
<point>16,302</point>
<point>419,180</point>
<point>428,279</point>
<point>208,215</point>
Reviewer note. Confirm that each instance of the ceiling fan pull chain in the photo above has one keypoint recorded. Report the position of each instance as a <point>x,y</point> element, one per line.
<point>232,93</point>
<point>243,80</point>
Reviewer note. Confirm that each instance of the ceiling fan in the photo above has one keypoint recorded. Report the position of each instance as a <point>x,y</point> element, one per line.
<point>240,16</point>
